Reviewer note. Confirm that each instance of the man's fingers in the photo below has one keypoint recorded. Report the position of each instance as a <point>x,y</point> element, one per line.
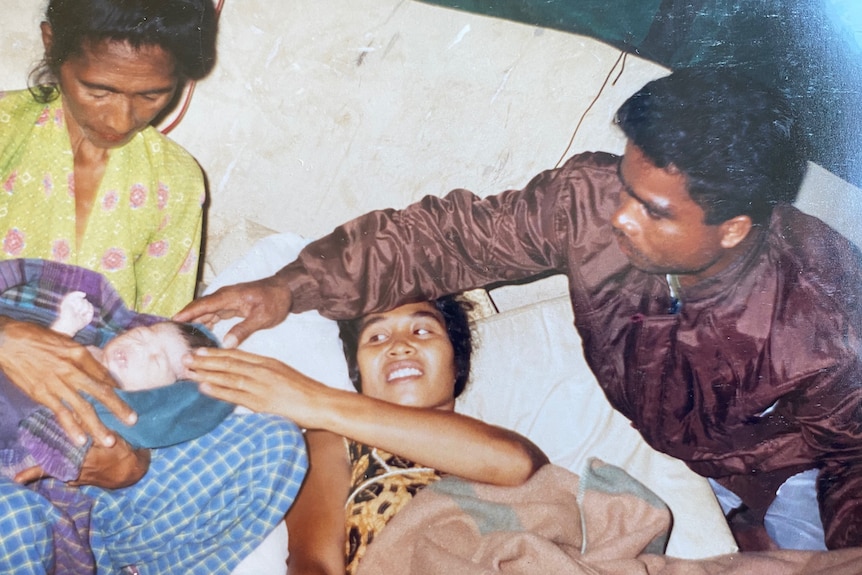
<point>230,340</point>
<point>259,304</point>
<point>208,320</point>
<point>207,309</point>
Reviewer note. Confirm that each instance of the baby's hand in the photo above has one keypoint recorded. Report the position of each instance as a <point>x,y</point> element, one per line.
<point>74,315</point>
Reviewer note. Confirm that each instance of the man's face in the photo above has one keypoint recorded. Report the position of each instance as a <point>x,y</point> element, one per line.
<point>112,91</point>
<point>658,226</point>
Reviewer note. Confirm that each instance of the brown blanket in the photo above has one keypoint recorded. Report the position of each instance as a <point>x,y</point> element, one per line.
<point>602,522</point>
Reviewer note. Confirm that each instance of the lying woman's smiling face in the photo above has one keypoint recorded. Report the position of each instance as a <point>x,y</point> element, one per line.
<point>405,357</point>
<point>146,357</point>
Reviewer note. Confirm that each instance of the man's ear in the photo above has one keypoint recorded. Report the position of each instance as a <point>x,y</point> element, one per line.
<point>47,37</point>
<point>734,230</point>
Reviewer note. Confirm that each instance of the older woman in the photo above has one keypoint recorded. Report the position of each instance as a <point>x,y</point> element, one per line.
<point>87,180</point>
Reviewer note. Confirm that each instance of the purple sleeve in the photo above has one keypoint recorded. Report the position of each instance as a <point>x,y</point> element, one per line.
<point>448,244</point>
<point>47,443</point>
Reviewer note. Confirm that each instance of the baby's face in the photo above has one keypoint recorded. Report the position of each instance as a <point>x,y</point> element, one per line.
<point>146,357</point>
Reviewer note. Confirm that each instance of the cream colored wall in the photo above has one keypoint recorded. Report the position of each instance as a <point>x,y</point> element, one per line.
<point>319,111</point>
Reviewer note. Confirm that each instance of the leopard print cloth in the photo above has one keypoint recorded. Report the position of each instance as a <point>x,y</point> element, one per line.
<point>381,485</point>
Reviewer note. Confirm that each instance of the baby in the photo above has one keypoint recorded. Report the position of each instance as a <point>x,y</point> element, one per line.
<point>145,357</point>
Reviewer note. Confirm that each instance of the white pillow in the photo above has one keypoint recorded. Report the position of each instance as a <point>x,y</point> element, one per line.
<point>307,342</point>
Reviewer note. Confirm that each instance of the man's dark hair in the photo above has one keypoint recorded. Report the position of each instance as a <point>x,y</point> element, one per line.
<point>455,315</point>
<point>186,29</point>
<point>734,140</point>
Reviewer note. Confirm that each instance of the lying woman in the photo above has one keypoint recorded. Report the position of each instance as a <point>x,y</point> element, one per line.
<point>375,449</point>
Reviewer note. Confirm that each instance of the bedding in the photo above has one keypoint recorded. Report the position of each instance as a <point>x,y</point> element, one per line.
<point>381,484</point>
<point>528,375</point>
<point>557,522</point>
<point>602,521</point>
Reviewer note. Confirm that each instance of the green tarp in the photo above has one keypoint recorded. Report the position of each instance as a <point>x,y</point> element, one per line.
<point>623,21</point>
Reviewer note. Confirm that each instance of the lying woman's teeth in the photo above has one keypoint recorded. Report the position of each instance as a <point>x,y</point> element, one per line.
<point>404,372</point>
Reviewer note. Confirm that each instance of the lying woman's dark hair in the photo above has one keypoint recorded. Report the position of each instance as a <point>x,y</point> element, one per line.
<point>186,29</point>
<point>454,312</point>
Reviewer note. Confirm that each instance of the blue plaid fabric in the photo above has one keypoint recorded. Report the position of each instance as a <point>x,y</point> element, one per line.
<point>202,507</point>
<point>205,504</point>
<point>26,544</point>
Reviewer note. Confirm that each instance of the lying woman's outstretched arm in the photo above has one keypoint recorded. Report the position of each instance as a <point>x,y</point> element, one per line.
<point>447,441</point>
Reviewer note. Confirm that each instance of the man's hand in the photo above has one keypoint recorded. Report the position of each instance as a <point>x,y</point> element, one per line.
<point>106,467</point>
<point>262,304</point>
<point>53,370</point>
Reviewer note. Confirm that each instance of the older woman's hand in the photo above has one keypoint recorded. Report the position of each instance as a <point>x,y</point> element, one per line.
<point>53,370</point>
<point>107,467</point>
<point>113,467</point>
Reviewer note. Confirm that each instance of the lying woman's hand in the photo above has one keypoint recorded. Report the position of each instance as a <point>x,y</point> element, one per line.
<point>259,383</point>
<point>53,370</point>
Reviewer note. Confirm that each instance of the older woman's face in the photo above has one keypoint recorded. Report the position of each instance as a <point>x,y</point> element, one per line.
<point>112,90</point>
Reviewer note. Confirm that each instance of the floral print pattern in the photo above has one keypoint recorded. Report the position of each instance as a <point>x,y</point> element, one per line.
<point>138,196</point>
<point>61,251</point>
<point>13,243</point>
